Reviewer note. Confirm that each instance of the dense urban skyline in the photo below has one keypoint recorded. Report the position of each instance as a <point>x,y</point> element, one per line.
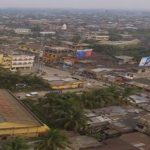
<point>109,4</point>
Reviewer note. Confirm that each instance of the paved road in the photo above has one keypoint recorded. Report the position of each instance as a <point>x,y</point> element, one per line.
<point>57,74</point>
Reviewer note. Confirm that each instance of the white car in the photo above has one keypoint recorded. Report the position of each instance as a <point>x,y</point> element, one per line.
<point>34,93</point>
<point>28,95</point>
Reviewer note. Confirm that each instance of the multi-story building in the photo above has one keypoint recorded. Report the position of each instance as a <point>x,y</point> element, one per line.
<point>22,62</point>
<point>22,31</point>
<point>55,54</point>
<point>5,61</point>
<point>17,62</point>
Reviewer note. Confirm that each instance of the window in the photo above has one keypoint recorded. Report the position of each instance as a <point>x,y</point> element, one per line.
<point>140,126</point>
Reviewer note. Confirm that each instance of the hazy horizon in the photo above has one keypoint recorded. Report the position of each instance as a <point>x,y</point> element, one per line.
<point>81,4</point>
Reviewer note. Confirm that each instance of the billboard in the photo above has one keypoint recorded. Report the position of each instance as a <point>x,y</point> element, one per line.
<point>84,53</point>
<point>80,54</point>
<point>145,62</point>
<point>88,52</point>
<point>69,62</point>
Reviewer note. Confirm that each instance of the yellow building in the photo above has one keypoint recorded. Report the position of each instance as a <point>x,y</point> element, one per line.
<point>1,58</point>
<point>62,85</point>
<point>16,119</point>
<point>5,61</point>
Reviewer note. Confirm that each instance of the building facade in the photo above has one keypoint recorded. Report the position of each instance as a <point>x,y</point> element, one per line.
<point>17,62</point>
<point>97,37</point>
<point>22,62</point>
<point>55,54</point>
<point>22,31</point>
<point>5,61</point>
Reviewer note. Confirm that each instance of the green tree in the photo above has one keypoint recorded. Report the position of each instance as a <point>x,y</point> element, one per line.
<point>9,80</point>
<point>16,143</point>
<point>127,92</point>
<point>76,39</point>
<point>87,99</point>
<point>71,119</point>
<point>109,96</point>
<point>54,140</point>
<point>115,35</point>
<point>64,111</point>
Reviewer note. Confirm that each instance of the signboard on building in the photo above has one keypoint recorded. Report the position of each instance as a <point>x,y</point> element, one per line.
<point>80,54</point>
<point>68,62</point>
<point>145,62</point>
<point>88,52</point>
<point>84,53</point>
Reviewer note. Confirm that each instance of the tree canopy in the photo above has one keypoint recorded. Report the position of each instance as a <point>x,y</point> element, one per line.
<point>9,80</point>
<point>16,143</point>
<point>67,110</point>
<point>53,140</point>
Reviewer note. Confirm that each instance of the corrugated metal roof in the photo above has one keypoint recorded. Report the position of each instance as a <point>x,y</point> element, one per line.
<point>12,110</point>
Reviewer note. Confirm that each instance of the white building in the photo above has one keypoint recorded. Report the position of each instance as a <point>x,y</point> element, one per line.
<point>22,62</point>
<point>64,27</point>
<point>47,33</point>
<point>22,31</point>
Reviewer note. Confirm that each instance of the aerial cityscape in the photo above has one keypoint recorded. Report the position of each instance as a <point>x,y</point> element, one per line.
<point>75,75</point>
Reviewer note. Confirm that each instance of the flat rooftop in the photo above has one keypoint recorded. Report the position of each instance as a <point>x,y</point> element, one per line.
<point>138,140</point>
<point>146,117</point>
<point>57,48</point>
<point>97,70</point>
<point>124,57</point>
<point>14,111</point>
<point>143,81</point>
<point>113,144</point>
<point>64,81</point>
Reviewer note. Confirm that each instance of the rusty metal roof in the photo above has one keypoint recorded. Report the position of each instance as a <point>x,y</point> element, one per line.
<point>14,111</point>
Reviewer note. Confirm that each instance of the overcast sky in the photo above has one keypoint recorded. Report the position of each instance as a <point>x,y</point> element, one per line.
<point>108,4</point>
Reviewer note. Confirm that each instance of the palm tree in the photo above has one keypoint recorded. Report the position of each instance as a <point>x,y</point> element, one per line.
<point>16,143</point>
<point>64,111</point>
<point>127,92</point>
<point>74,119</point>
<point>87,99</point>
<point>100,97</point>
<point>69,115</point>
<point>54,140</point>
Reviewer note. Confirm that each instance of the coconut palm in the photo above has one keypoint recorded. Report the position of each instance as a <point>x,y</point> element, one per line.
<point>69,115</point>
<point>87,99</point>
<point>64,111</point>
<point>127,92</point>
<point>16,144</point>
<point>54,140</point>
<point>72,119</point>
